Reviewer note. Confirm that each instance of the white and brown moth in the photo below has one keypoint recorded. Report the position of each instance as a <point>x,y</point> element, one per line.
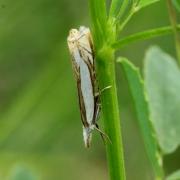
<point>81,50</point>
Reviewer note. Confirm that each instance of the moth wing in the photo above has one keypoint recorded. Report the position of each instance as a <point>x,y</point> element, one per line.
<point>87,91</point>
<point>80,46</point>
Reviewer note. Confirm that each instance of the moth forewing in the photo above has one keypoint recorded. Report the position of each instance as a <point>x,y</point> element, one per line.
<point>80,46</point>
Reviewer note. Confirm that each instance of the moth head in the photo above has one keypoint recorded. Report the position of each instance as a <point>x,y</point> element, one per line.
<point>87,135</point>
<point>73,34</point>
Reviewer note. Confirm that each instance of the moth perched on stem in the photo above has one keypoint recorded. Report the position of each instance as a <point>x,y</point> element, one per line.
<point>81,49</point>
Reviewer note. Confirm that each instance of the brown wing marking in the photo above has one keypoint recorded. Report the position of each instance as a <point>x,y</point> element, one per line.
<point>81,102</point>
<point>74,66</point>
<point>91,45</point>
<point>91,53</point>
<point>97,109</point>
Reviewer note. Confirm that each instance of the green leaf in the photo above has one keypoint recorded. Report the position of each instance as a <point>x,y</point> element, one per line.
<point>162,81</point>
<point>144,3</point>
<point>144,35</point>
<point>141,106</point>
<point>174,176</point>
<point>176,3</point>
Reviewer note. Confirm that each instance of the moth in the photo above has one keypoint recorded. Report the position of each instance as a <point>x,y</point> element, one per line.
<point>81,49</point>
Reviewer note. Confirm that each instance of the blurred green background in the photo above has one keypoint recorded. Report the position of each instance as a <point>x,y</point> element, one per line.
<point>40,126</point>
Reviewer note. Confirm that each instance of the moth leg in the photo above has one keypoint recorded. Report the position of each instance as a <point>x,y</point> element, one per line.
<point>102,90</point>
<point>103,135</point>
<point>98,112</point>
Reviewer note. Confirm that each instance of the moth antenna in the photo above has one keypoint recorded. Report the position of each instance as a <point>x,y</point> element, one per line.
<point>103,135</point>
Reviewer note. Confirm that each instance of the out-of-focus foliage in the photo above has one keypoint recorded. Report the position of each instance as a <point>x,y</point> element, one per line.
<point>162,84</point>
<point>22,173</point>
<point>39,110</point>
<point>174,176</point>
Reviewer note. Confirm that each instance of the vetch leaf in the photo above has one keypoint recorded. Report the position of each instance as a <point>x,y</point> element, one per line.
<point>162,81</point>
<point>174,176</point>
<point>136,85</point>
<point>144,35</point>
<point>176,3</point>
<point>144,3</point>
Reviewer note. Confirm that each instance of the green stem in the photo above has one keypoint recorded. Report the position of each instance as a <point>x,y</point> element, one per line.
<point>149,34</point>
<point>123,24</point>
<point>173,20</point>
<point>110,109</point>
<point>116,6</point>
<point>125,21</point>
<point>113,8</point>
<point>123,9</point>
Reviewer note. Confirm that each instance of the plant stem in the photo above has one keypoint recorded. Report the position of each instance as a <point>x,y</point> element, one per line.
<point>173,20</point>
<point>104,33</point>
<point>118,8</point>
<point>127,19</point>
<point>149,34</point>
<point>110,109</point>
<point>123,9</point>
